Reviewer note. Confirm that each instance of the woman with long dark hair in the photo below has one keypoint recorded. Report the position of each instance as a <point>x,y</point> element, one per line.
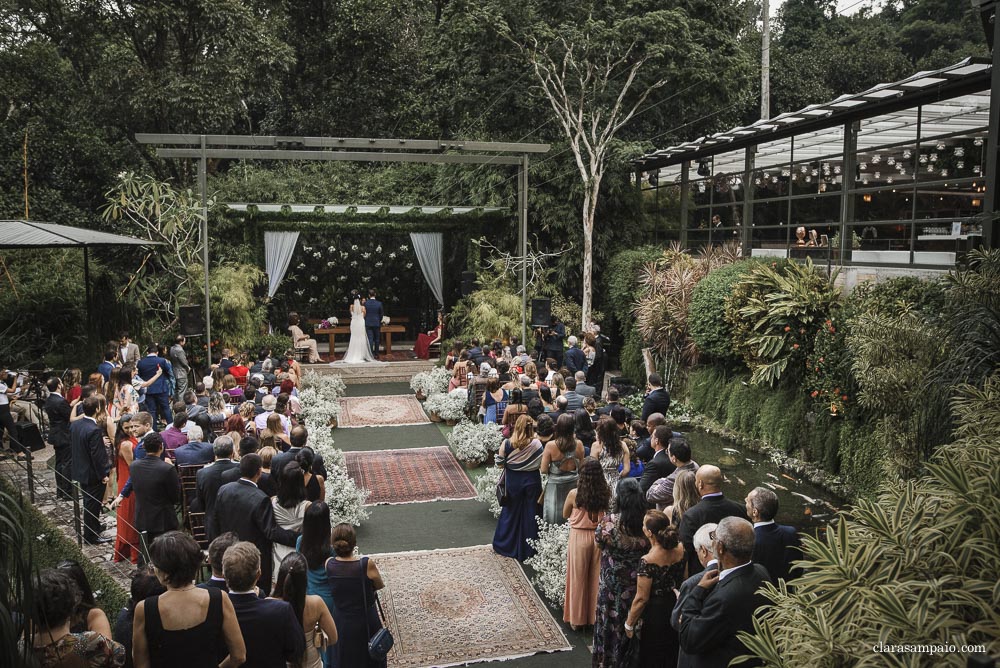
<point>584,428</point>
<point>290,505</point>
<point>126,535</point>
<point>660,572</point>
<point>561,461</point>
<point>314,545</point>
<point>311,611</point>
<point>620,537</point>
<point>87,616</point>
<point>584,508</point>
<point>611,452</point>
<point>520,456</point>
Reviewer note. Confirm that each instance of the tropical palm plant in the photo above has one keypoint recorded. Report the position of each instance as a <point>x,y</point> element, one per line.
<point>917,565</point>
<point>15,581</point>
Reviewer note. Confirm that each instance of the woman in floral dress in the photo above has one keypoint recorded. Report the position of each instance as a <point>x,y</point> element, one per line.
<point>611,452</point>
<point>622,543</point>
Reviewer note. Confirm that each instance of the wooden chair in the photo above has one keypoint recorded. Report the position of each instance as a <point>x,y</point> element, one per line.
<point>189,486</point>
<point>197,523</point>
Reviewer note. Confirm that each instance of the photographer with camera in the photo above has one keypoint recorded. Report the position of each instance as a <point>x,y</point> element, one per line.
<point>553,341</point>
<point>8,388</point>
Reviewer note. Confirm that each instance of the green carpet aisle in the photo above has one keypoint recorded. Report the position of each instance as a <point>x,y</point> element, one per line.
<point>436,525</point>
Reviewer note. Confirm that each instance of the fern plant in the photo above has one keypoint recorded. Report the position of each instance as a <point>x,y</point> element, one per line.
<point>919,564</point>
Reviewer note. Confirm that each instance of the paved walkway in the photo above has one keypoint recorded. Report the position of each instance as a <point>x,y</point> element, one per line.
<point>438,524</point>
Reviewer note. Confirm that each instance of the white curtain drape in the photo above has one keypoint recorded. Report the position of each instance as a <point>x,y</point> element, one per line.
<point>278,249</point>
<point>429,248</point>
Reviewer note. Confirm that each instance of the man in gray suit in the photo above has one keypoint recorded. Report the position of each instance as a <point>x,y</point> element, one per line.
<point>582,388</point>
<point>182,370</point>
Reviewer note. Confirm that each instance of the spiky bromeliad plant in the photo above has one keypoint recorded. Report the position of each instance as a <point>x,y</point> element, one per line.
<point>918,565</point>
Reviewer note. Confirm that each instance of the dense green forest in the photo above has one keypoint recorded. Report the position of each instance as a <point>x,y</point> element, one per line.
<point>78,80</point>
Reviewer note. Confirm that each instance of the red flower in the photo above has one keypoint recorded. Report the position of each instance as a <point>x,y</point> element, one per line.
<point>795,345</point>
<point>815,393</point>
<point>787,328</point>
<point>843,397</point>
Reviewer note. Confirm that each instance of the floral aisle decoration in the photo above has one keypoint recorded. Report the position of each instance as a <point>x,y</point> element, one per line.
<point>426,383</point>
<point>473,442</point>
<point>486,488</point>
<point>345,498</point>
<point>549,562</point>
<point>330,386</point>
<point>328,323</point>
<point>449,407</point>
<point>317,410</point>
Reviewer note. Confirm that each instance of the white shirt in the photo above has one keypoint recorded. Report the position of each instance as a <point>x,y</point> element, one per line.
<point>261,422</point>
<point>4,400</point>
<point>762,524</point>
<point>124,353</point>
<point>724,574</point>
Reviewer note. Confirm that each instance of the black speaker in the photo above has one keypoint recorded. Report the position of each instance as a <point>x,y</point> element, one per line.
<point>541,312</point>
<point>192,320</point>
<point>27,434</point>
<point>468,283</point>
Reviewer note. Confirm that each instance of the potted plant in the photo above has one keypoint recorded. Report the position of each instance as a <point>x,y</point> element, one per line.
<point>434,404</point>
<point>437,380</point>
<point>454,405</point>
<point>419,384</point>
<point>475,443</point>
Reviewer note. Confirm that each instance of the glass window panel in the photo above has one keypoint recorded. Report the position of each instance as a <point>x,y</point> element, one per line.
<point>951,200</point>
<point>699,219</point>
<point>896,128</point>
<point>698,238</point>
<point>771,183</point>
<point>894,204</point>
<point>816,176</point>
<point>729,216</point>
<point>891,237</point>
<point>701,192</point>
<point>953,157</point>
<point>967,112</point>
<point>770,238</point>
<point>886,166</point>
<point>729,163</point>
<point>772,154</point>
<point>770,213</point>
<point>821,212</point>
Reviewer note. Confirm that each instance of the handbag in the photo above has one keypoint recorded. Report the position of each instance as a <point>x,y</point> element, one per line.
<point>320,640</point>
<point>501,490</point>
<point>380,643</point>
<point>631,656</point>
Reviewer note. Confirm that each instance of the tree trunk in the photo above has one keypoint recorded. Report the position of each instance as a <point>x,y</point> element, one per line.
<point>647,359</point>
<point>589,213</point>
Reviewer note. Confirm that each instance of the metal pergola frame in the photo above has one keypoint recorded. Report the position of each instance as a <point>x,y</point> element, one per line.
<point>431,151</point>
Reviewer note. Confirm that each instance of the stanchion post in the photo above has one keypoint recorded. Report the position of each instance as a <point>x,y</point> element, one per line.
<point>31,474</point>
<point>76,514</point>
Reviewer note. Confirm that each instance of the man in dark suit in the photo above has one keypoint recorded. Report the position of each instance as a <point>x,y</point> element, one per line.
<point>373,321</point>
<point>244,508</point>
<point>724,601</point>
<point>613,397</point>
<point>476,354</point>
<point>216,550</point>
<point>91,468</point>
<point>659,466</point>
<point>574,357</point>
<point>775,546</point>
<point>712,507</point>
<point>196,450</point>
<point>209,479</point>
<point>554,341</point>
<point>657,398</point>
<point>662,491</point>
<point>59,411</point>
<point>298,438</point>
<point>706,556</point>
<point>582,388</point>
<point>267,482</point>
<point>158,393</point>
<point>106,367</point>
<point>644,448</point>
<point>527,394</point>
<point>157,490</point>
<point>272,633</point>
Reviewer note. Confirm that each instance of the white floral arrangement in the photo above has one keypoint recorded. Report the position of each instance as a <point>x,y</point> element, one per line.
<point>317,410</point>
<point>486,488</point>
<point>437,380</point>
<point>328,386</point>
<point>473,442</point>
<point>549,562</point>
<point>329,323</point>
<point>385,320</point>
<point>448,406</point>
<point>346,500</point>
<point>321,441</point>
<point>419,382</point>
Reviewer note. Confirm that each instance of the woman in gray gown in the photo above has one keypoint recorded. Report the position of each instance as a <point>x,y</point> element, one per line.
<point>561,461</point>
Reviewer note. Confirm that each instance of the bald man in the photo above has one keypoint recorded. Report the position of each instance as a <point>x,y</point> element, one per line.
<point>724,601</point>
<point>712,507</point>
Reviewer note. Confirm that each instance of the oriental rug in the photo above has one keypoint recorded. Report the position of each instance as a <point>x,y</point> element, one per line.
<point>391,410</point>
<point>463,605</point>
<point>414,475</point>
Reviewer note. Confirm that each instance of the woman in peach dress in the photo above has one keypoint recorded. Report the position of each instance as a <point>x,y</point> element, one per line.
<point>584,508</point>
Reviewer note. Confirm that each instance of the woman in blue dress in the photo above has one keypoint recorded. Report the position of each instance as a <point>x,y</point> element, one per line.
<point>314,544</point>
<point>494,401</point>
<point>521,457</point>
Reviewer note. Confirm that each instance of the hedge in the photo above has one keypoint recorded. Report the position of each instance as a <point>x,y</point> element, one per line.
<point>51,545</point>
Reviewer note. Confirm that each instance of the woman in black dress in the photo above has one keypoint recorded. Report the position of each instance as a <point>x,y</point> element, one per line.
<point>661,571</point>
<point>354,582</point>
<point>186,625</point>
<point>315,485</point>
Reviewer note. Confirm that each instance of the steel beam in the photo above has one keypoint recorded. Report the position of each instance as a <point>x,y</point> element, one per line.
<point>340,142</point>
<point>347,156</point>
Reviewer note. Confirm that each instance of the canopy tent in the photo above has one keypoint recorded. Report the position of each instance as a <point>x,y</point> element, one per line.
<point>29,234</point>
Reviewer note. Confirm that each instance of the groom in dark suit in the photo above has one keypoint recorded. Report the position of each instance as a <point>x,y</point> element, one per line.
<point>373,321</point>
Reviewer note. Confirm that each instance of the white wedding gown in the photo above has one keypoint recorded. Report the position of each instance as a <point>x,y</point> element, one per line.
<point>358,351</point>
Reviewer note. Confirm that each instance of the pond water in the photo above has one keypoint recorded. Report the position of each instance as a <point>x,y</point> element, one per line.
<point>800,504</point>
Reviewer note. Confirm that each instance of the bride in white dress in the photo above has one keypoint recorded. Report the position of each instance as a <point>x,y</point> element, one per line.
<point>358,351</point>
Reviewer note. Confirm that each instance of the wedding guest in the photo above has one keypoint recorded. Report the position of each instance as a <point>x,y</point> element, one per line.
<point>106,367</point>
<point>355,614</point>
<point>421,348</point>
<point>590,406</point>
<point>182,368</point>
<point>248,446</point>
<point>217,412</point>
<point>657,398</point>
<point>158,392</point>
<point>609,450</point>
<point>685,497</point>
<point>724,601</point>
<point>157,490</point>
<point>314,545</point>
<point>246,509</point>
<point>582,388</point>
<point>574,357</point>
<point>712,507</point>
<point>494,401</point>
<point>175,435</point>
<point>776,546</point>
<point>144,584</point>
<point>216,551</point>
<point>127,537</point>
<point>240,370</point>
<point>54,644</point>
<point>515,409</point>
<point>87,616</point>
<point>613,400</point>
<point>271,632</point>
<point>661,492</point>
<point>290,505</point>
<point>298,439</point>
<point>270,403</point>
<point>660,466</point>
<point>561,461</point>
<point>584,508</point>
<point>310,610</point>
<point>622,542</point>
<point>545,395</point>
<point>235,428</point>
<point>459,375</point>
<point>209,479</point>
<point>315,484</point>
<point>520,456</point>
<point>584,429</point>
<point>58,410</point>
<point>660,572</point>
<point>196,450</point>
<point>703,544</point>
<point>545,429</point>
<point>186,625</point>
<point>91,468</point>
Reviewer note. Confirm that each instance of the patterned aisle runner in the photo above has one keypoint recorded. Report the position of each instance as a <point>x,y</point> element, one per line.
<point>392,410</point>
<point>414,475</point>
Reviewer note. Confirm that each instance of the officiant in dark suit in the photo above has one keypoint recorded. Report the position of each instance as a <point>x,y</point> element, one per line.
<point>58,410</point>
<point>373,321</point>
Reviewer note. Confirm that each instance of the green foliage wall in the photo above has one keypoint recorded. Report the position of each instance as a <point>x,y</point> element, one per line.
<point>706,319</point>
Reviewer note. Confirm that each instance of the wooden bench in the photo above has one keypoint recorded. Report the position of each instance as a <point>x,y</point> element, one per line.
<point>387,332</point>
